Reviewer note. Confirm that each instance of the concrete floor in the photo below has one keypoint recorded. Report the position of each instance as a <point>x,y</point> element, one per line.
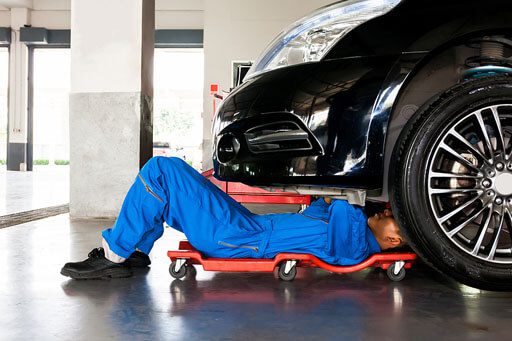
<point>38,303</point>
<point>23,191</point>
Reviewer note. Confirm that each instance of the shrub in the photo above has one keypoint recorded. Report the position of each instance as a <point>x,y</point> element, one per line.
<point>61,162</point>
<point>41,162</point>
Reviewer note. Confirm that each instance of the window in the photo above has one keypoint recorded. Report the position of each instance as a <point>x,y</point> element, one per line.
<point>178,103</point>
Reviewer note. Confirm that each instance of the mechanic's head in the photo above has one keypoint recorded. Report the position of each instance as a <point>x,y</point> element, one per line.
<point>386,230</point>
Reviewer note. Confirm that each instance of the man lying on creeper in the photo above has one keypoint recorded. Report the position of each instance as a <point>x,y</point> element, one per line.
<point>169,190</point>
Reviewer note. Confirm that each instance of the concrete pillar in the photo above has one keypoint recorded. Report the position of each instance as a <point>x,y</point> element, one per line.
<point>18,133</point>
<point>111,107</point>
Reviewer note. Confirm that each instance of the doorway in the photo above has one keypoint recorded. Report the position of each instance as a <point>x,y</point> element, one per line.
<point>51,83</point>
<point>178,103</point>
<point>4,81</point>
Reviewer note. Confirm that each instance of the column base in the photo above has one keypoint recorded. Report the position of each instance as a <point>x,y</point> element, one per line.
<point>17,157</point>
<point>105,154</point>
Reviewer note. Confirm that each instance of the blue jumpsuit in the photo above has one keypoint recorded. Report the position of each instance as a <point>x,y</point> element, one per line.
<point>168,189</point>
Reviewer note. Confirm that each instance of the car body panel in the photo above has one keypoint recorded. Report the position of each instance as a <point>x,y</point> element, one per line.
<point>346,100</point>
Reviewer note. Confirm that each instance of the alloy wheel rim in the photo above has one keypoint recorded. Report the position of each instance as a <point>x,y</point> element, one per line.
<point>470,183</point>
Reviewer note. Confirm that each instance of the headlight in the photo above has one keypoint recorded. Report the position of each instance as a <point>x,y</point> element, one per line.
<point>310,38</point>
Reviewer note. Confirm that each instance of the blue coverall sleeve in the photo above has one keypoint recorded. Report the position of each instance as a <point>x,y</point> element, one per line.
<point>347,233</point>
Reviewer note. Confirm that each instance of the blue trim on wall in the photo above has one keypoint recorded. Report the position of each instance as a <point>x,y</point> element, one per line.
<point>179,38</point>
<point>5,35</point>
<point>40,36</point>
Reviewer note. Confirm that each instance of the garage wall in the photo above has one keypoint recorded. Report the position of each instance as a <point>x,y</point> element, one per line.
<point>52,14</point>
<point>170,14</point>
<point>5,17</point>
<point>179,14</point>
<point>240,30</point>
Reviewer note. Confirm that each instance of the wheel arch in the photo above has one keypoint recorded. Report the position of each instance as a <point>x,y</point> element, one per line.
<point>429,66</point>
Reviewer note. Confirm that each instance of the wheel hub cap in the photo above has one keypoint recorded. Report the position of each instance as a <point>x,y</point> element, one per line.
<point>504,184</point>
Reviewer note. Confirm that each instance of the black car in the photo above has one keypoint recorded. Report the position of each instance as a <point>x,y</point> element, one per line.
<point>408,101</point>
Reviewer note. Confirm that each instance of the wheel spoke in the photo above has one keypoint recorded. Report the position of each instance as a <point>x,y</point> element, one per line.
<point>481,235</point>
<point>481,123</point>
<point>474,150</point>
<point>458,209</point>
<point>455,176</point>
<point>453,190</point>
<point>459,157</point>
<point>510,224</point>
<point>466,222</point>
<point>496,236</point>
<point>497,121</point>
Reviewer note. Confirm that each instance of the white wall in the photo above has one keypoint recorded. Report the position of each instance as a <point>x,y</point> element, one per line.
<point>51,14</point>
<point>240,30</point>
<point>5,18</point>
<point>179,14</point>
<point>170,14</point>
<point>107,65</point>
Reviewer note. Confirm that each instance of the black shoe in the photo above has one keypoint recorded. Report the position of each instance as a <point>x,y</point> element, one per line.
<point>138,260</point>
<point>96,266</point>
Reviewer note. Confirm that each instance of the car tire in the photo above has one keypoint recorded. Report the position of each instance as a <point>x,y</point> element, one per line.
<point>454,214</point>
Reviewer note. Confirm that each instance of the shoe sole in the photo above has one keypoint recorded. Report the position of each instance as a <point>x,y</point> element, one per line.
<point>110,273</point>
<point>137,265</point>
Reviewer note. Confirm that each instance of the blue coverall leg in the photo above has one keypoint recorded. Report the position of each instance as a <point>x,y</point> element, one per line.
<point>168,189</point>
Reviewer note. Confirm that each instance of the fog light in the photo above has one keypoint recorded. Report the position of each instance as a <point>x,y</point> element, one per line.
<point>227,148</point>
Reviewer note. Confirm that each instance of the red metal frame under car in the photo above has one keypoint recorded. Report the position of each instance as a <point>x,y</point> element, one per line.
<point>253,195</point>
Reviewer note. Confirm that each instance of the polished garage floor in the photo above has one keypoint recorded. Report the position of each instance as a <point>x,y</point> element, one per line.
<point>38,303</point>
<point>23,191</point>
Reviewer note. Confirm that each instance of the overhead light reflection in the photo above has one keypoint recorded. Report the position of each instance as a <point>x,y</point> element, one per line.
<point>397,301</point>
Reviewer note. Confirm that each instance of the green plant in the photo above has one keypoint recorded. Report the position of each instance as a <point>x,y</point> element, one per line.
<point>172,122</point>
<point>61,162</point>
<point>41,162</point>
<point>2,162</point>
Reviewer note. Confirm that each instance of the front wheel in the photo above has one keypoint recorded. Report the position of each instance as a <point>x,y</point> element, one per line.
<point>395,276</point>
<point>452,182</point>
<point>287,274</point>
<point>177,273</point>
